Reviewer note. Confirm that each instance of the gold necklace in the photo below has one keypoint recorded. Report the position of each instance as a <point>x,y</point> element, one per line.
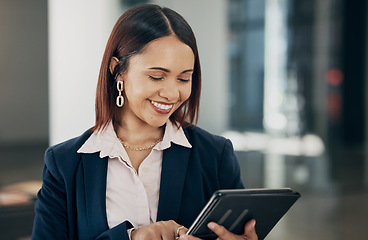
<point>140,148</point>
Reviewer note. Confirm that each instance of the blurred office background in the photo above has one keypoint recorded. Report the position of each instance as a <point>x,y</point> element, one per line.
<point>285,80</point>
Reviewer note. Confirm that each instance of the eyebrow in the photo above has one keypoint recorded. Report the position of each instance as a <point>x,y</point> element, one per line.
<point>167,70</point>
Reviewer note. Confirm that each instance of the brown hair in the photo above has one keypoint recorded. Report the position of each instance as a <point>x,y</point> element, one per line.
<point>132,32</point>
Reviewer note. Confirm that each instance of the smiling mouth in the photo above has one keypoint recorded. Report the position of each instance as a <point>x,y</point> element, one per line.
<point>164,107</point>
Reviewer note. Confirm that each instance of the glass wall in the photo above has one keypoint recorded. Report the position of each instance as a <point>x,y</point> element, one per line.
<point>246,67</point>
<point>297,75</point>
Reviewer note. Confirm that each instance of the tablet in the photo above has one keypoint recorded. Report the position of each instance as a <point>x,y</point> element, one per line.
<point>233,208</point>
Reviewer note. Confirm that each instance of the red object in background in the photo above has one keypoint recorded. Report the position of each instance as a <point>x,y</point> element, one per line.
<point>334,76</point>
<point>334,105</point>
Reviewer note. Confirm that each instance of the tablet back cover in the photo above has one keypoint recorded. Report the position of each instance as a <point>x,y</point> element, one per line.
<point>233,208</point>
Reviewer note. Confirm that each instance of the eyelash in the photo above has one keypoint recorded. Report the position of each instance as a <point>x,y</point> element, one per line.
<point>159,79</point>
<point>155,79</point>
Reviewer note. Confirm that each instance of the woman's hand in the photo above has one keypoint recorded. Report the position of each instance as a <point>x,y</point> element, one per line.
<point>166,230</point>
<point>222,233</point>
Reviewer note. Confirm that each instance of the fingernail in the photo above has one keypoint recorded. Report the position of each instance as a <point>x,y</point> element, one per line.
<point>254,223</point>
<point>211,225</point>
<point>183,237</point>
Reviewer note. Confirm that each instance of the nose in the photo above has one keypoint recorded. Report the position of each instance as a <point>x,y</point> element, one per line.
<point>170,90</point>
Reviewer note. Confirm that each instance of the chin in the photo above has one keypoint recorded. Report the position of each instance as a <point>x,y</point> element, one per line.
<point>157,123</point>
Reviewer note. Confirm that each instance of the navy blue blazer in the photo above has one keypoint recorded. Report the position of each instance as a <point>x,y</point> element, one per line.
<point>72,201</point>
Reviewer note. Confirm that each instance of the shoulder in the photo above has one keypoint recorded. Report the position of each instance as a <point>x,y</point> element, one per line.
<point>197,133</point>
<point>216,157</point>
<point>64,155</point>
<point>202,139</point>
<point>71,146</point>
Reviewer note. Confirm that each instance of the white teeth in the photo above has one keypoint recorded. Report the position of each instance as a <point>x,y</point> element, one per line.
<point>161,106</point>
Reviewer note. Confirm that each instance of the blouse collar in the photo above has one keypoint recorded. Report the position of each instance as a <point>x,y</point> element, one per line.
<point>107,143</point>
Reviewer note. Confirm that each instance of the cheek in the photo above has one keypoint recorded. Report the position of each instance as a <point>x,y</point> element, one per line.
<point>135,91</point>
<point>186,93</point>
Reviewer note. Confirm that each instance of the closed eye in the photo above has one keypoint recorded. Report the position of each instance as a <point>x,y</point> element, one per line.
<point>183,80</point>
<point>155,78</point>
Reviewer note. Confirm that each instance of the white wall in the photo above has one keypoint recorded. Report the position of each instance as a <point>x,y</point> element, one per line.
<point>23,71</point>
<point>78,32</point>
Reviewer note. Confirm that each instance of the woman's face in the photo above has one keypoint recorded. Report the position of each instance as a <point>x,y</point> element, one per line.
<point>158,81</point>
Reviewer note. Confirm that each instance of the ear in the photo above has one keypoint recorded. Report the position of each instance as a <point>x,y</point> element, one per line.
<point>113,62</point>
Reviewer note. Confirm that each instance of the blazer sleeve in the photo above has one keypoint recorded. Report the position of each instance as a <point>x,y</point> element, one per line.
<point>53,219</point>
<point>229,169</point>
<point>119,232</point>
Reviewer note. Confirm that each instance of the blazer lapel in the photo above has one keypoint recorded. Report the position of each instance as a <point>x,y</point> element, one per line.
<point>95,173</point>
<point>174,167</point>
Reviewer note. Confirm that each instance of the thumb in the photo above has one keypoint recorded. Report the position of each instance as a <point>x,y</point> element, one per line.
<point>250,230</point>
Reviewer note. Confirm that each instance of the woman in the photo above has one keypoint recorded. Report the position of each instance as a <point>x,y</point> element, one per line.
<point>144,171</point>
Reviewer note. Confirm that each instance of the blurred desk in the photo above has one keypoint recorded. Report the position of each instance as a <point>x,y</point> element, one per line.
<point>17,210</point>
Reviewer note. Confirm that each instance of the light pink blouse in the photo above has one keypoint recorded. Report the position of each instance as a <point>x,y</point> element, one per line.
<point>132,195</point>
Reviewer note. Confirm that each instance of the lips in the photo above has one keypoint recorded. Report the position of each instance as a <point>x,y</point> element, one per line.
<point>161,107</point>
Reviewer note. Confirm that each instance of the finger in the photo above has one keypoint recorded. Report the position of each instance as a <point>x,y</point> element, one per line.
<point>188,237</point>
<point>184,231</point>
<point>220,231</point>
<point>181,230</point>
<point>250,230</point>
<point>169,229</point>
<point>177,229</point>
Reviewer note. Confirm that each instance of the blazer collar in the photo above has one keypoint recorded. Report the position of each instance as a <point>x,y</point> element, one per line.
<point>174,167</point>
<point>95,174</point>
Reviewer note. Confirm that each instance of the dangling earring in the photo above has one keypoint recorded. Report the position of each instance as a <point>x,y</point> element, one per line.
<point>120,99</point>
